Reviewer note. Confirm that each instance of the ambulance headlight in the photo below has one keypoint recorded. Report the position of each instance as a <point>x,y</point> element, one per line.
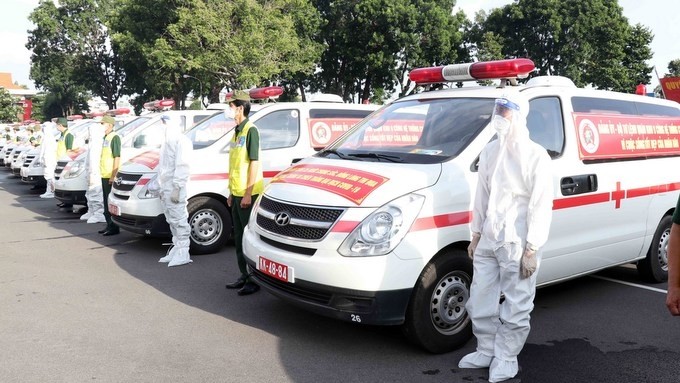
<point>383,230</point>
<point>152,189</point>
<point>73,169</point>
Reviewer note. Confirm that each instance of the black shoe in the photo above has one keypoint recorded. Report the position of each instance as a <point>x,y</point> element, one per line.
<point>104,230</point>
<point>248,289</point>
<point>110,232</point>
<point>237,285</point>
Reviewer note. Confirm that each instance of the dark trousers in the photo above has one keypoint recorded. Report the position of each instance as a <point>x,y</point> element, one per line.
<point>240,217</point>
<point>106,189</point>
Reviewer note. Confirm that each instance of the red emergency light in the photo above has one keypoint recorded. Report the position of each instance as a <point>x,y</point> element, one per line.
<point>641,89</point>
<point>265,92</point>
<point>74,117</point>
<point>483,70</point>
<point>94,114</point>
<point>149,105</point>
<point>118,111</point>
<point>164,103</point>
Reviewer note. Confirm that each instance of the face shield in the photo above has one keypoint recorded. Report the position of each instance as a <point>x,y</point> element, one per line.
<point>505,112</point>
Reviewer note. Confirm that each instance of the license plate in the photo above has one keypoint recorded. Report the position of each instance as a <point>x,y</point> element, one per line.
<point>114,210</point>
<point>276,270</point>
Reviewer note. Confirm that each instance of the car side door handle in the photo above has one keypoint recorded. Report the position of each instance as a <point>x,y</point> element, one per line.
<point>579,184</point>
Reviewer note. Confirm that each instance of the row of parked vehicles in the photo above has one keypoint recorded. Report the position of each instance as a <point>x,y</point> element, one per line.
<point>366,214</point>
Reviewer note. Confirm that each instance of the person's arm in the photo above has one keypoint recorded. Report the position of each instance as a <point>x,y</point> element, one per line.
<point>481,198</point>
<point>68,141</point>
<point>115,151</point>
<point>539,214</point>
<point>253,147</point>
<point>673,296</point>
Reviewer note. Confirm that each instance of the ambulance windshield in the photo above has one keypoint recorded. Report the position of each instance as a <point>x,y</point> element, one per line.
<point>210,130</point>
<point>416,131</point>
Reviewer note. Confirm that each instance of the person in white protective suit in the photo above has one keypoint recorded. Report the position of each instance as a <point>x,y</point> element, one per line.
<point>94,194</point>
<point>48,157</point>
<point>173,175</point>
<point>510,223</point>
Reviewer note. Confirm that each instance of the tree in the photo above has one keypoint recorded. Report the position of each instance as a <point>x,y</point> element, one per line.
<point>235,44</point>
<point>72,52</point>
<point>674,68</point>
<point>9,110</point>
<point>589,41</point>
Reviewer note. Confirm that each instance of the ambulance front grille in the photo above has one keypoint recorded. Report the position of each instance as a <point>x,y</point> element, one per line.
<point>296,221</point>
<point>60,168</point>
<point>28,161</point>
<point>125,182</point>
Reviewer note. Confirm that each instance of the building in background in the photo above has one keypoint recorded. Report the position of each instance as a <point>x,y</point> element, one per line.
<point>24,96</point>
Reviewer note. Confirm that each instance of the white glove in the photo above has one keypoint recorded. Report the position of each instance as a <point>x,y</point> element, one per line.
<point>528,262</point>
<point>174,196</point>
<point>473,244</point>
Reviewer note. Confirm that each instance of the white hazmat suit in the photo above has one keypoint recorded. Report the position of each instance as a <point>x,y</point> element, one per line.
<point>48,157</point>
<point>173,175</point>
<point>94,194</point>
<point>511,220</point>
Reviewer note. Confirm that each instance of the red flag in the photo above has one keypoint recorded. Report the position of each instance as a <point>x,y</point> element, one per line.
<point>671,88</point>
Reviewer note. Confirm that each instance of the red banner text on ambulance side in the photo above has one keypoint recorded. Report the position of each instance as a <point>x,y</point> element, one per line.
<point>149,159</point>
<point>603,136</point>
<point>355,185</point>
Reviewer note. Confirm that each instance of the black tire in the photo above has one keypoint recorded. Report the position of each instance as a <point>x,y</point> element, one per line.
<point>654,268</point>
<point>210,223</point>
<point>443,288</point>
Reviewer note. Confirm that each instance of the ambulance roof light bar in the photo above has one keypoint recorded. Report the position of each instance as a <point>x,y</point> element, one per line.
<point>483,70</point>
<point>265,92</point>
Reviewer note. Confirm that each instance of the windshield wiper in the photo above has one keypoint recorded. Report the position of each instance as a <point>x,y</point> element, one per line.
<point>379,157</point>
<point>340,155</point>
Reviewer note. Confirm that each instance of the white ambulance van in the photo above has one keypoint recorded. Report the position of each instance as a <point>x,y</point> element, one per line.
<point>141,134</point>
<point>374,228</point>
<point>289,131</point>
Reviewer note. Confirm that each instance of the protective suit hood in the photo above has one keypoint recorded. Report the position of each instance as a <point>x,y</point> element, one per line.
<point>173,129</point>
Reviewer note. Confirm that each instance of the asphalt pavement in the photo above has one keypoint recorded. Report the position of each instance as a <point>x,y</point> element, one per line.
<point>79,307</point>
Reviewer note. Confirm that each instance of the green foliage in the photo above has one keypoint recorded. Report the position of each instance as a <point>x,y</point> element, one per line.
<point>589,41</point>
<point>674,68</point>
<point>72,53</point>
<point>9,109</point>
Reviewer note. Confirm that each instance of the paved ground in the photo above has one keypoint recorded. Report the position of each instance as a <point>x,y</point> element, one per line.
<point>79,307</point>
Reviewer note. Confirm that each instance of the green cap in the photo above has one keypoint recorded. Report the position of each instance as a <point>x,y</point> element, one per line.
<point>241,95</point>
<point>108,120</point>
<point>62,121</point>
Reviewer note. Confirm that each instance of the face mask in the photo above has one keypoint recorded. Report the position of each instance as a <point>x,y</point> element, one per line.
<point>229,113</point>
<point>501,124</point>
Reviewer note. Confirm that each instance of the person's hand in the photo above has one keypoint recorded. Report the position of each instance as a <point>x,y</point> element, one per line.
<point>174,196</point>
<point>473,245</point>
<point>673,300</point>
<point>528,262</point>
<point>229,200</point>
<point>246,201</point>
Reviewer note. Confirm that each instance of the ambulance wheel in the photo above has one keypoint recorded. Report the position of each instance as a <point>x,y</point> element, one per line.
<point>436,319</point>
<point>654,268</point>
<point>210,224</point>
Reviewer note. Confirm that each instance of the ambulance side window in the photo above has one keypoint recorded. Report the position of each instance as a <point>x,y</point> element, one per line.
<point>280,129</point>
<point>545,124</point>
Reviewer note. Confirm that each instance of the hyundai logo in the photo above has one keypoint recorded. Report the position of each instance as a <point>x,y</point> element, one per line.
<point>118,180</point>
<point>282,219</point>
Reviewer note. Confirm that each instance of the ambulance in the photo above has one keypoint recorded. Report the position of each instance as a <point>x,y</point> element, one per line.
<point>289,131</point>
<point>141,134</point>
<point>374,228</point>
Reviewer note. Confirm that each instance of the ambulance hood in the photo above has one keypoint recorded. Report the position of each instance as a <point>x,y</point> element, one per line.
<point>339,183</point>
<point>142,163</point>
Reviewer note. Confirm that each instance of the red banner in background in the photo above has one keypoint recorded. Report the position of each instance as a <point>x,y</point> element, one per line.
<point>603,136</point>
<point>671,88</point>
<point>28,109</point>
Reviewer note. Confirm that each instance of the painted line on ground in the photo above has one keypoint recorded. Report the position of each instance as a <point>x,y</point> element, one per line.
<point>630,284</point>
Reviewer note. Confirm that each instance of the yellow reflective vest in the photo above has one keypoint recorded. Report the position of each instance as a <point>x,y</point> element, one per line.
<point>106,159</point>
<point>239,163</point>
<point>61,144</point>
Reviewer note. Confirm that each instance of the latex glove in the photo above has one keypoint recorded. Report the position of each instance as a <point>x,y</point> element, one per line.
<point>528,262</point>
<point>473,245</point>
<point>174,196</point>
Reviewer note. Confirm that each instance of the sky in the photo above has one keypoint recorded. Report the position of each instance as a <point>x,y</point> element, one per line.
<point>658,15</point>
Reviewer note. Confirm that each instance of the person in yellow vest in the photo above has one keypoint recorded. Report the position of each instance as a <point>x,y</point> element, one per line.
<point>245,180</point>
<point>108,167</point>
<point>65,142</point>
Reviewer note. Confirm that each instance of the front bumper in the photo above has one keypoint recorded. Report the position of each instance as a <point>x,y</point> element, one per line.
<point>74,197</point>
<point>154,226</point>
<point>366,307</point>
